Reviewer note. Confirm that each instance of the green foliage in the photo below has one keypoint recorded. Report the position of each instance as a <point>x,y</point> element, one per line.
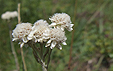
<point>91,40</point>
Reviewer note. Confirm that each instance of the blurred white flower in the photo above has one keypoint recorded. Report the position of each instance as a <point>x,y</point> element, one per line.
<point>61,21</point>
<point>39,33</point>
<point>21,32</point>
<point>57,37</point>
<point>7,15</point>
<point>14,14</point>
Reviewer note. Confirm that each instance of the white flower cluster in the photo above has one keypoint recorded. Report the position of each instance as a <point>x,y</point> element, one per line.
<point>61,20</point>
<point>7,15</point>
<point>41,31</point>
<point>21,32</point>
<point>56,36</point>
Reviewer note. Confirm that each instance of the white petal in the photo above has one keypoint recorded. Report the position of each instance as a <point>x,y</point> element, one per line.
<point>48,44</point>
<point>45,37</point>
<point>47,30</point>
<point>52,24</point>
<point>60,23</point>
<point>30,36</point>
<point>51,19</point>
<point>21,45</point>
<point>64,43</point>
<point>14,39</point>
<point>65,38</point>
<point>69,29</point>
<point>49,41</point>
<point>71,25</point>
<point>59,46</point>
<point>25,40</point>
<point>62,28</point>
<point>36,40</point>
<point>40,40</point>
<point>33,27</point>
<point>46,34</point>
<point>53,44</point>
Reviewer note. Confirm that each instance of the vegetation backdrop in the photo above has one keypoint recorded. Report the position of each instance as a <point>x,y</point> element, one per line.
<point>93,34</point>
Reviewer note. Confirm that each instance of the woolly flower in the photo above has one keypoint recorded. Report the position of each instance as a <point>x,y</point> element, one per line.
<point>39,33</point>
<point>8,15</point>
<point>21,32</point>
<point>57,37</point>
<point>61,20</point>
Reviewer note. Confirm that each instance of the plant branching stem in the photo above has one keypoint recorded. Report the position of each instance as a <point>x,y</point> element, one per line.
<point>47,51</point>
<point>44,66</point>
<point>41,58</point>
<point>36,57</point>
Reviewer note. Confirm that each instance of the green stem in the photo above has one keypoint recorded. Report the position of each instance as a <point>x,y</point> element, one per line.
<point>44,66</point>
<point>35,50</point>
<point>36,57</point>
<point>41,49</point>
<point>47,51</point>
<point>49,56</point>
<point>41,58</point>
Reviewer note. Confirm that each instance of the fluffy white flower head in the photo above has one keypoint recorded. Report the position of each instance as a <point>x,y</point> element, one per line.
<point>21,32</point>
<point>39,33</point>
<point>57,37</point>
<point>61,20</point>
<point>7,15</point>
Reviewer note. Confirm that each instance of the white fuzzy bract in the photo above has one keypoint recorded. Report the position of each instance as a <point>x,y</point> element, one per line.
<point>61,21</point>
<point>39,33</point>
<point>21,32</point>
<point>7,15</point>
<point>57,37</point>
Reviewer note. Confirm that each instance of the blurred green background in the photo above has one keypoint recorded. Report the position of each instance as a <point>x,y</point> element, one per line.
<point>93,34</point>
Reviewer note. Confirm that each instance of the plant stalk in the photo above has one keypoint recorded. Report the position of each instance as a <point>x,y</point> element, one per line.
<point>44,66</point>
<point>69,64</point>
<point>19,21</point>
<point>12,47</point>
